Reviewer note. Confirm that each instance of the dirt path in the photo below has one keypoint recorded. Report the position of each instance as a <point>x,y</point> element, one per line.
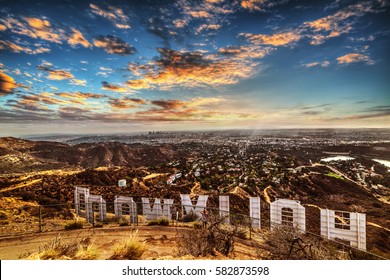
<point>161,242</point>
<point>195,190</point>
<point>266,196</point>
<point>21,185</point>
<point>378,226</point>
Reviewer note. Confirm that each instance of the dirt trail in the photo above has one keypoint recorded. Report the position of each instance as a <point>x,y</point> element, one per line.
<point>161,242</point>
<point>312,205</point>
<point>378,226</point>
<point>154,175</point>
<point>195,190</point>
<point>266,196</point>
<point>20,185</point>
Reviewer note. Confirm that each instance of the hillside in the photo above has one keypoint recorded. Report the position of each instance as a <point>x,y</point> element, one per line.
<point>17,155</point>
<point>46,173</point>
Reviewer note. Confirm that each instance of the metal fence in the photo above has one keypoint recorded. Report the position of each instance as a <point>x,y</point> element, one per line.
<point>47,218</point>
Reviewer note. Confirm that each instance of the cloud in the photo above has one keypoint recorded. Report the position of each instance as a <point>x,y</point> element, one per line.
<point>126,103</point>
<point>80,95</point>
<point>74,113</point>
<point>340,22</point>
<point>55,74</point>
<point>354,58</point>
<point>114,45</point>
<point>189,69</point>
<point>260,5</point>
<point>137,84</point>
<point>77,38</point>
<point>208,27</point>
<point>41,28</point>
<point>180,23</point>
<point>122,26</point>
<point>278,39</point>
<point>77,82</point>
<point>324,63</point>
<point>114,14</point>
<point>112,87</point>
<point>246,52</point>
<point>7,45</point>
<point>199,14</point>
<point>318,106</point>
<point>168,104</point>
<point>7,84</point>
<point>196,109</point>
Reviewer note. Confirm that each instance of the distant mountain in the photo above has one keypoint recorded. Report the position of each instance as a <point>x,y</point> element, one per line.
<point>18,155</point>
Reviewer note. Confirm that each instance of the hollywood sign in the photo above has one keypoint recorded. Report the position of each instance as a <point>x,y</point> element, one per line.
<point>348,226</point>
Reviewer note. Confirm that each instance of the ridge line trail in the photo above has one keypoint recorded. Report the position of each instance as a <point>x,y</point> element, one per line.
<point>266,196</point>
<point>20,185</point>
<point>378,226</point>
<point>195,190</point>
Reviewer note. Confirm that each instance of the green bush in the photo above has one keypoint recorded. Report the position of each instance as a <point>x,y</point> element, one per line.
<point>74,225</point>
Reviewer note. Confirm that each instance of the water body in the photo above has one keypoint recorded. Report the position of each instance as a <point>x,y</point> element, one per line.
<point>337,158</point>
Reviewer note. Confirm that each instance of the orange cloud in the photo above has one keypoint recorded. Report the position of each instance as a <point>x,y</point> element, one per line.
<point>246,52</point>
<point>113,14</point>
<point>77,38</point>
<point>253,5</point>
<point>191,69</point>
<point>196,109</point>
<point>80,95</point>
<point>6,45</point>
<point>354,58</point>
<point>3,27</point>
<point>341,22</point>
<point>78,82</point>
<point>180,23</point>
<point>122,26</point>
<point>279,39</point>
<point>137,84</point>
<point>114,45</point>
<point>126,103</point>
<point>42,29</point>
<point>199,14</point>
<point>7,84</point>
<point>112,87</point>
<point>55,74</point>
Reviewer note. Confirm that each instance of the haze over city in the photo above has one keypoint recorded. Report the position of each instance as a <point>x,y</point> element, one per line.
<point>122,66</point>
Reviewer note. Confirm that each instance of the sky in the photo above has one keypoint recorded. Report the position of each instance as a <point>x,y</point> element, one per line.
<point>101,67</point>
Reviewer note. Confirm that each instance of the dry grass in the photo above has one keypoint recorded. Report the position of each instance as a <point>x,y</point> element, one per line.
<point>59,249</point>
<point>130,249</point>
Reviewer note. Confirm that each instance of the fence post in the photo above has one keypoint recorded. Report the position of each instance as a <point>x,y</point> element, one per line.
<point>93,217</point>
<point>250,230</point>
<point>40,218</point>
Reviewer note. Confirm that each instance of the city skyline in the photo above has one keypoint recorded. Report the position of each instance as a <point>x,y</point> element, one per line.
<point>124,66</point>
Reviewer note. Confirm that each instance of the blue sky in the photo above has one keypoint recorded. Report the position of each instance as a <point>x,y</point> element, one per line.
<point>123,66</point>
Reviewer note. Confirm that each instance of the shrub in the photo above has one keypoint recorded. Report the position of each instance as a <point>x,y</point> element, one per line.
<point>216,236</point>
<point>129,249</point>
<point>88,253</point>
<point>190,217</point>
<point>123,222</point>
<point>286,243</point>
<point>58,249</point>
<point>159,222</point>
<point>74,225</point>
